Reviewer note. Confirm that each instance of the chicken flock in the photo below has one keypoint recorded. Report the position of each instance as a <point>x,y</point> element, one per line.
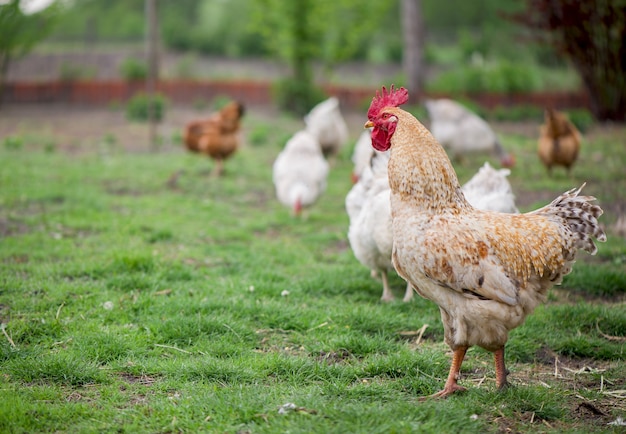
<point>467,247</point>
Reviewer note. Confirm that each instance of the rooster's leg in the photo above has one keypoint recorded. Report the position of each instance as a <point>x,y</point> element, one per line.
<point>387,294</point>
<point>455,372</point>
<point>501,371</point>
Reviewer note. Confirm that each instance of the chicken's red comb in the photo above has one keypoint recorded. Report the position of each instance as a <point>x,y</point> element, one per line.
<point>393,98</point>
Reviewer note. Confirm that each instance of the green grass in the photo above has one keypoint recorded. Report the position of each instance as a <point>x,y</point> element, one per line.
<point>130,306</point>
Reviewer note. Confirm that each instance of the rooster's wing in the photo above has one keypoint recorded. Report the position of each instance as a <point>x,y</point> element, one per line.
<point>483,254</point>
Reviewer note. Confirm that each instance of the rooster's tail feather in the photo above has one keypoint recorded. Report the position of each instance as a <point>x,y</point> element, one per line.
<point>581,217</point>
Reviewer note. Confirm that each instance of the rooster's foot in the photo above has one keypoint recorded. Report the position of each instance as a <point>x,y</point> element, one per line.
<point>447,391</point>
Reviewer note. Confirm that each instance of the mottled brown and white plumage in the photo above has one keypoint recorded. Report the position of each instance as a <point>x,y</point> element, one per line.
<point>487,271</point>
<point>369,211</point>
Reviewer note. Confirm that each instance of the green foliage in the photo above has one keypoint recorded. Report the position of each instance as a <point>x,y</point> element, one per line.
<point>71,72</point>
<point>102,20</point>
<point>210,27</point>
<point>582,118</point>
<point>516,113</point>
<point>343,29</point>
<point>473,45</point>
<point>133,69</point>
<point>499,77</point>
<point>297,96</point>
<point>138,106</point>
<point>259,135</point>
<point>185,67</point>
<point>587,36</point>
<point>19,32</point>
<point>335,31</point>
<point>13,142</point>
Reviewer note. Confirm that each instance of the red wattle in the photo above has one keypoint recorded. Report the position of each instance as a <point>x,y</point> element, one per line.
<point>381,140</point>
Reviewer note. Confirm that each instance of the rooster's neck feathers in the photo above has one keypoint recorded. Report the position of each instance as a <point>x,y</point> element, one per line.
<point>433,184</point>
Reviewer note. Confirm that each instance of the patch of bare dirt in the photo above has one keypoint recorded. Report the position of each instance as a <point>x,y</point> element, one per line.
<point>10,227</point>
<point>77,129</point>
<point>137,379</point>
<point>334,357</point>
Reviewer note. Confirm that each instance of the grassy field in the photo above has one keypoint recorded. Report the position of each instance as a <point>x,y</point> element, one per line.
<point>132,305</point>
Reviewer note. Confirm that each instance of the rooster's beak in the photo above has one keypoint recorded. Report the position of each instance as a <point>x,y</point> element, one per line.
<point>368,124</point>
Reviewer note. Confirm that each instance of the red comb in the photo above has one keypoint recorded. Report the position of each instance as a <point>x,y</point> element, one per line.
<point>393,98</point>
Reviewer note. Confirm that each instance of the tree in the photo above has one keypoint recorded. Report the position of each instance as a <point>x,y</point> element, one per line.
<point>152,54</point>
<point>19,33</point>
<point>592,35</point>
<point>413,52</point>
<point>306,30</point>
<point>290,30</point>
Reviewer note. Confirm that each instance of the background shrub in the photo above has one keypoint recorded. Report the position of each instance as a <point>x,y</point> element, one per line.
<point>137,107</point>
<point>133,69</point>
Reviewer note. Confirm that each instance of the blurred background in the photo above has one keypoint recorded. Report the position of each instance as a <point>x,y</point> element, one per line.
<point>531,54</point>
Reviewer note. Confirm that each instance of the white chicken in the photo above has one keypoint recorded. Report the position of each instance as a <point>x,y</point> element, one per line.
<point>489,190</point>
<point>299,172</point>
<point>463,132</point>
<point>362,154</point>
<point>327,124</point>
<point>368,206</point>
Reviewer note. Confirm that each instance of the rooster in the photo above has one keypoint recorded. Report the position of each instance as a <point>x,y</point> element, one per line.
<point>217,136</point>
<point>559,141</point>
<point>487,271</point>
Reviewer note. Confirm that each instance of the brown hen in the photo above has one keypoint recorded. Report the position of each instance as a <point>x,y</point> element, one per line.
<point>218,136</point>
<point>559,141</point>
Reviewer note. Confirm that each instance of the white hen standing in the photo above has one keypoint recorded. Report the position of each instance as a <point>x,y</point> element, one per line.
<point>463,132</point>
<point>489,190</point>
<point>300,172</point>
<point>328,126</point>
<point>362,154</point>
<point>368,205</point>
